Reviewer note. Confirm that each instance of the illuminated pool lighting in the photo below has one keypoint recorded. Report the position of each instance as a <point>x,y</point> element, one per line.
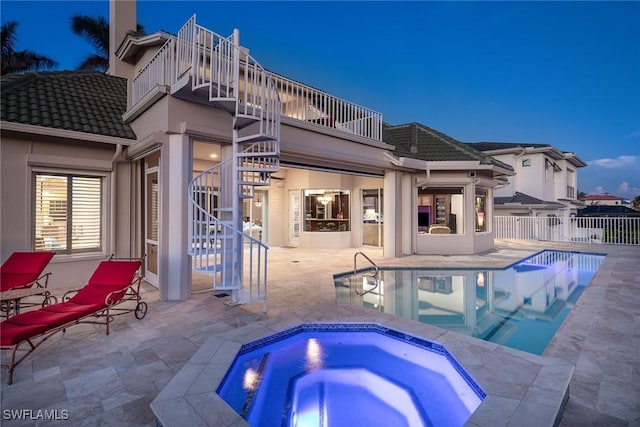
<point>348,374</point>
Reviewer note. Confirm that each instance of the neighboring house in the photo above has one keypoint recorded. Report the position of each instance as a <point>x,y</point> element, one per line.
<point>605,199</point>
<point>521,204</point>
<point>608,211</point>
<point>192,154</point>
<point>545,181</point>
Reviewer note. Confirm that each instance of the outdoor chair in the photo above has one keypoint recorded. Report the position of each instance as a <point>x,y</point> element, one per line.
<point>23,270</point>
<point>439,229</point>
<point>113,283</point>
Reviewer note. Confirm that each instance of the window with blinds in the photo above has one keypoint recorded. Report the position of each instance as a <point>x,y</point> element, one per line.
<point>67,213</point>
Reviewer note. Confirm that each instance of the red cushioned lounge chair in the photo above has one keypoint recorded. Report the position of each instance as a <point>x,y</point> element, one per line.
<point>24,270</point>
<point>113,283</point>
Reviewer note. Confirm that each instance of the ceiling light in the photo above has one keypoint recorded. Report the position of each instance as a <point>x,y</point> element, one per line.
<point>324,199</point>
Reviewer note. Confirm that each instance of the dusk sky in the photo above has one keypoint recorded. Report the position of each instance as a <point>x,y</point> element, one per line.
<point>560,73</point>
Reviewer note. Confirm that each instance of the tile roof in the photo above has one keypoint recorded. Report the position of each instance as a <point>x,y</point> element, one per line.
<point>600,197</point>
<point>608,211</point>
<point>549,150</point>
<point>79,101</point>
<point>430,145</point>
<point>524,199</point>
<point>490,146</point>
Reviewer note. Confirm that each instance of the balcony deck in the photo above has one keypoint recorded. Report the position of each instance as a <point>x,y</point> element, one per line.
<point>172,64</point>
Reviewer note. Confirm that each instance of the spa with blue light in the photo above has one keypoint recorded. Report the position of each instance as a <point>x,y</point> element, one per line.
<point>348,375</point>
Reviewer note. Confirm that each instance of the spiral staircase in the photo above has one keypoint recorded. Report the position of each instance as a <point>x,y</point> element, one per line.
<point>224,75</point>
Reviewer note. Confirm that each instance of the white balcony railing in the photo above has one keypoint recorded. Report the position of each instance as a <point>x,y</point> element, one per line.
<point>159,71</point>
<point>298,101</point>
<point>305,103</point>
<point>604,230</point>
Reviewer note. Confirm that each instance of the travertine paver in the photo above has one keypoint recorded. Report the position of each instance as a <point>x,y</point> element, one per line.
<point>125,371</point>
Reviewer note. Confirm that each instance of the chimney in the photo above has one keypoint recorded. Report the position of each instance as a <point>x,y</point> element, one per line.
<point>122,18</point>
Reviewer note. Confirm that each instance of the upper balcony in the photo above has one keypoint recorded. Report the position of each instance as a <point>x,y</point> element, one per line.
<point>196,54</point>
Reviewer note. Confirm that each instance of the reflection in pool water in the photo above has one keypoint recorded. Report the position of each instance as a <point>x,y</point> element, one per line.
<point>521,306</point>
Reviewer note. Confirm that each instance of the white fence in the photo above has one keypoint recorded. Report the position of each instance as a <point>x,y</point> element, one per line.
<point>605,230</point>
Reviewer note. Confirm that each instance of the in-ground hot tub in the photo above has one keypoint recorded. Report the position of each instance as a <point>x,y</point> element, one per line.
<point>348,374</point>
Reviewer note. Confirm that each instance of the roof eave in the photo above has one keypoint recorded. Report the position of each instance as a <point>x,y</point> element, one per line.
<point>510,150</point>
<point>468,165</point>
<point>63,133</point>
<point>531,205</point>
<point>132,44</point>
<point>575,160</point>
<point>447,165</point>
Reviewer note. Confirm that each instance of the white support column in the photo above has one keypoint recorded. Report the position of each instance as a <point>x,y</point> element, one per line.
<point>237,271</point>
<point>174,263</point>
<point>391,206</point>
<point>409,215</point>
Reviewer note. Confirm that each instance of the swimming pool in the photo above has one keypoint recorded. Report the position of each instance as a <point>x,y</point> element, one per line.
<point>348,374</point>
<point>521,306</point>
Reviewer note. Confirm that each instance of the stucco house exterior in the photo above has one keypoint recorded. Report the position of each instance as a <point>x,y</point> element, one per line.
<point>190,153</point>
<point>604,200</point>
<point>545,181</point>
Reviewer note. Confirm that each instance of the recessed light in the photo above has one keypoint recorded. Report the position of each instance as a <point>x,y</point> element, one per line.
<point>213,156</point>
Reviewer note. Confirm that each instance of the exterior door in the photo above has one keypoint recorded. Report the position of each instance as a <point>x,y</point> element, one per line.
<point>294,218</point>
<point>152,217</point>
<point>372,217</point>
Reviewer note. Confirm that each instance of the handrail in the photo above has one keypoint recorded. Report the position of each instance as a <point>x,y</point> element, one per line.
<point>306,103</point>
<point>228,71</point>
<point>374,276</point>
<point>207,56</point>
<point>158,71</point>
<point>211,237</point>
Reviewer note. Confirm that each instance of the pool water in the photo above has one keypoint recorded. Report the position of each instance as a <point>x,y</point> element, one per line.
<point>352,375</point>
<point>521,306</point>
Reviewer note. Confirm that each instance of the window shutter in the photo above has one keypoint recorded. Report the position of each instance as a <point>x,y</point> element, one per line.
<point>86,218</point>
<point>68,213</point>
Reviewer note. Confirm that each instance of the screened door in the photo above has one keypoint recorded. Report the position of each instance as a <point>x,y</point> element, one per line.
<point>152,218</point>
<point>294,218</point>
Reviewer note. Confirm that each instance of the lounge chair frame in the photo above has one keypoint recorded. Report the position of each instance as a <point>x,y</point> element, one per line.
<point>24,348</point>
<point>40,282</point>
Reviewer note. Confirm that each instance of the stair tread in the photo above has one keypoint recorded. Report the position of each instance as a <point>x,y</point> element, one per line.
<point>256,138</point>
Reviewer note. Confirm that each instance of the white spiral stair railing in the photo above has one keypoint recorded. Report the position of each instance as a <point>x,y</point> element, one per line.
<point>240,86</point>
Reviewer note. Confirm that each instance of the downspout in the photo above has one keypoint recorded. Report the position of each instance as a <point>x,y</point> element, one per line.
<point>114,162</point>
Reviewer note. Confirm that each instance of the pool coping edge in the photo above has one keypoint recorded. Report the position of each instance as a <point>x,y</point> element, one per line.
<point>187,395</point>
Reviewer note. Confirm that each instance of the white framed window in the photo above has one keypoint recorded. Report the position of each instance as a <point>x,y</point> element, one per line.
<point>327,210</point>
<point>526,163</point>
<point>481,209</point>
<point>440,210</point>
<point>68,212</point>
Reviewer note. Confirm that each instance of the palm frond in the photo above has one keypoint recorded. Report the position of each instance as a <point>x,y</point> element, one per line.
<point>8,37</point>
<point>94,63</point>
<point>27,60</point>
<point>93,29</point>
<point>12,61</point>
